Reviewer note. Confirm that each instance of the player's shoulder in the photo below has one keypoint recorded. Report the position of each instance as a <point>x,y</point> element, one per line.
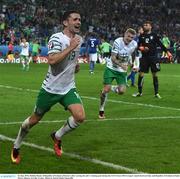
<point>118,41</point>
<point>134,43</point>
<point>57,36</point>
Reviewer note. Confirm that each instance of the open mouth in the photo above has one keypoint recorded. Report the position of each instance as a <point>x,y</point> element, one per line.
<point>77,27</point>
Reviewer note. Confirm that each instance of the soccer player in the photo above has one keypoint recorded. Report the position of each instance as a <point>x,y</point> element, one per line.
<point>59,85</point>
<point>166,42</point>
<point>148,43</point>
<point>24,55</point>
<point>92,44</point>
<point>105,48</point>
<point>116,67</point>
<point>35,50</point>
<point>135,65</point>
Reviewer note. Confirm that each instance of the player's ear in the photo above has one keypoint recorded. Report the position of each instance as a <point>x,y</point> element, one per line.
<point>65,23</point>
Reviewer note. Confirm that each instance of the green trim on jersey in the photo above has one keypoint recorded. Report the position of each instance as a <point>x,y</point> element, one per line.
<point>110,75</point>
<point>46,100</point>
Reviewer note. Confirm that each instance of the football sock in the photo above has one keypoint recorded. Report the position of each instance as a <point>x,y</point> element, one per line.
<point>140,83</point>
<point>92,66</point>
<point>68,126</point>
<point>103,99</point>
<point>24,129</point>
<point>23,64</point>
<point>155,83</point>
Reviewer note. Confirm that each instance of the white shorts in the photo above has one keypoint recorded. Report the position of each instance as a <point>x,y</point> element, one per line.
<point>93,57</point>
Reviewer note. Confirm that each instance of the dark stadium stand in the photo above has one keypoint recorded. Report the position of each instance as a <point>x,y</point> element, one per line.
<point>38,19</point>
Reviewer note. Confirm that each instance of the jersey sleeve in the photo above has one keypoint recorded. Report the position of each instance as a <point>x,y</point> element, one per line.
<point>115,47</point>
<point>54,44</point>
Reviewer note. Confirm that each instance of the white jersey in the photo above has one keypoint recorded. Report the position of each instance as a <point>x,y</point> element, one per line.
<point>124,53</point>
<point>25,49</point>
<point>60,76</point>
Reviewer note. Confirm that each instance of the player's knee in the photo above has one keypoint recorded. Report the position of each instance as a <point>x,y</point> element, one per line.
<point>30,122</point>
<point>34,119</point>
<point>107,89</point>
<point>121,90</point>
<point>79,116</point>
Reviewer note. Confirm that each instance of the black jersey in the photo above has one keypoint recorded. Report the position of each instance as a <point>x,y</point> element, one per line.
<point>152,41</point>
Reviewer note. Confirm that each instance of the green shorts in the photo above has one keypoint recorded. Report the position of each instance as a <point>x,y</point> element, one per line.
<point>46,100</point>
<point>110,75</point>
<point>34,54</point>
<point>23,57</point>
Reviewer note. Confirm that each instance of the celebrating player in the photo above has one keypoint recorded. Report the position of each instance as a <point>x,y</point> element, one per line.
<point>117,67</point>
<point>58,86</point>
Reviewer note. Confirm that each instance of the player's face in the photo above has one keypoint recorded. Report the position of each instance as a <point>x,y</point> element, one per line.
<point>74,23</point>
<point>23,40</point>
<point>128,37</point>
<point>147,27</point>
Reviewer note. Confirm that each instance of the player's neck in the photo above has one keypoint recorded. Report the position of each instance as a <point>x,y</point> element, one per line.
<point>68,33</point>
<point>148,32</point>
<point>126,43</point>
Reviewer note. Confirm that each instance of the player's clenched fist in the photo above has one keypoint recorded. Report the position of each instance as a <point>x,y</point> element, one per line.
<point>75,42</point>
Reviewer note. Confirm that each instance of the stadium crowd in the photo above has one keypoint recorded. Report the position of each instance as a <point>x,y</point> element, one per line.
<point>38,19</point>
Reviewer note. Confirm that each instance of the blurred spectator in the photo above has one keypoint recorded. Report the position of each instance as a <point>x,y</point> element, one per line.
<point>38,19</point>
<point>10,47</point>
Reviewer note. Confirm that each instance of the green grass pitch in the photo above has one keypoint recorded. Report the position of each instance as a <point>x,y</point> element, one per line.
<point>140,134</point>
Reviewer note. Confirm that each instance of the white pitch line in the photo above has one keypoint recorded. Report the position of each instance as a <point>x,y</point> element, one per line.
<point>95,161</point>
<point>130,103</point>
<point>101,120</point>
<point>97,99</point>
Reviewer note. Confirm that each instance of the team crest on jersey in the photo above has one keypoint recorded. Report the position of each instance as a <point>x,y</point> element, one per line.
<point>50,45</point>
<point>123,57</point>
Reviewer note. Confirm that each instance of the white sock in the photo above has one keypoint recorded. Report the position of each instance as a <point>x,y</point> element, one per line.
<point>114,88</point>
<point>24,129</point>
<point>69,126</point>
<point>23,64</point>
<point>103,100</point>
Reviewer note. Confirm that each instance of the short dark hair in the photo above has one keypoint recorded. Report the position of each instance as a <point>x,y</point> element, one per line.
<point>67,14</point>
<point>148,22</point>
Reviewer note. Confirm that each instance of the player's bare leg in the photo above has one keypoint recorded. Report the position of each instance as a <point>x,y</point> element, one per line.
<point>23,131</point>
<point>103,99</point>
<point>78,116</point>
